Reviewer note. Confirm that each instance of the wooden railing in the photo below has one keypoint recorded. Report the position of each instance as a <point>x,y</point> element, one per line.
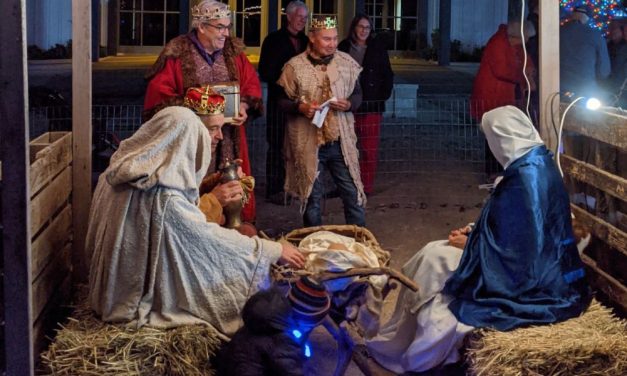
<point>602,173</point>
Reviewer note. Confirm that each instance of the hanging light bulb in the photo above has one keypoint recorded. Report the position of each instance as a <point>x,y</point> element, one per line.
<point>593,104</point>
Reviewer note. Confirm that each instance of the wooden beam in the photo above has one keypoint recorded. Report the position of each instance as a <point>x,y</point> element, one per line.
<point>615,290</point>
<point>15,215</point>
<point>611,235</point>
<point>603,125</point>
<point>594,176</point>
<point>549,37</point>
<point>81,132</point>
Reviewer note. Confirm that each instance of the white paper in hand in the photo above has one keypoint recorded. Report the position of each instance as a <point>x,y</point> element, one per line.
<point>319,117</point>
<point>321,114</point>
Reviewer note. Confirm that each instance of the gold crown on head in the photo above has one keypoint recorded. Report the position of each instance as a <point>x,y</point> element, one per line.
<point>210,13</point>
<point>204,101</point>
<point>323,23</point>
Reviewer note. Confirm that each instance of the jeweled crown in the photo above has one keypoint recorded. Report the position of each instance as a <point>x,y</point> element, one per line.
<point>204,101</point>
<point>210,13</point>
<point>323,23</point>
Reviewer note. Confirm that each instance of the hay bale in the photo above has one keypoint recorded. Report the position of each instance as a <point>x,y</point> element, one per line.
<point>88,346</point>
<point>593,344</point>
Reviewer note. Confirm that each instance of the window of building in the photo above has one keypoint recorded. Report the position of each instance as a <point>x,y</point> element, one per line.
<point>396,21</point>
<point>319,7</point>
<point>148,22</point>
<point>323,7</point>
<point>247,22</point>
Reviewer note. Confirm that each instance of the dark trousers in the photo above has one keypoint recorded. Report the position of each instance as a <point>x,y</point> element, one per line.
<point>330,158</point>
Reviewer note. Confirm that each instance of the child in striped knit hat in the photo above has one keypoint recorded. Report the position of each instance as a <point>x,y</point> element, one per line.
<point>276,327</point>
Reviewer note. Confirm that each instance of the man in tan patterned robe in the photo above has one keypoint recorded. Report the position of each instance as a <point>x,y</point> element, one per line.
<point>309,79</point>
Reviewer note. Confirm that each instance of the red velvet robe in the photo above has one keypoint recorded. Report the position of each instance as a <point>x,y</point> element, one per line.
<point>168,84</point>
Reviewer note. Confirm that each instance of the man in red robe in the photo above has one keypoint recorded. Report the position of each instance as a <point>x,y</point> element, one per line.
<point>208,55</point>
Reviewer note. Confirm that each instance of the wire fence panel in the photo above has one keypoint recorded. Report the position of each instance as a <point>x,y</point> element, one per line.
<point>416,135</point>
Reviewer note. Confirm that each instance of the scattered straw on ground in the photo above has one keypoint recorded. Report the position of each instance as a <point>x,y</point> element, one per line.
<point>592,344</point>
<point>87,346</point>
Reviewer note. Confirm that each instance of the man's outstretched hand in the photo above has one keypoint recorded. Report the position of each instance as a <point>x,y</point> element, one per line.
<point>291,255</point>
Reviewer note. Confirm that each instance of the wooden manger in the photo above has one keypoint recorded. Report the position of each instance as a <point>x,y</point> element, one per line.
<point>51,230</point>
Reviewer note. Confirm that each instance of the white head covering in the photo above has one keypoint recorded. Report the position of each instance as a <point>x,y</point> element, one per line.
<point>172,150</point>
<point>510,134</point>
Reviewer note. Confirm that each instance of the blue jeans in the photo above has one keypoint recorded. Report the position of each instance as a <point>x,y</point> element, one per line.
<point>330,157</point>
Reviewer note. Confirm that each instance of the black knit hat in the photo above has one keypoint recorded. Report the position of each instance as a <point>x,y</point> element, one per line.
<point>310,301</point>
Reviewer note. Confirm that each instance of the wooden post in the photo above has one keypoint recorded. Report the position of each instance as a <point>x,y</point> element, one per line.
<point>549,36</point>
<point>444,55</point>
<point>81,129</point>
<point>18,333</point>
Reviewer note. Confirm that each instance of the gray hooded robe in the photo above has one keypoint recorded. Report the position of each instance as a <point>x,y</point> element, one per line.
<point>155,259</point>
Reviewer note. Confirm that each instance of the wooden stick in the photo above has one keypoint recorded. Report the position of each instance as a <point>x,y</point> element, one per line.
<point>361,272</point>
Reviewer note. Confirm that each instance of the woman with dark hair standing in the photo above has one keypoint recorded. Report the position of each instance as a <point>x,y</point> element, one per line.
<point>376,82</point>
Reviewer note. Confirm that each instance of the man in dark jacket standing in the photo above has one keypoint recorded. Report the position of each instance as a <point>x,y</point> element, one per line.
<point>584,60</point>
<point>277,48</point>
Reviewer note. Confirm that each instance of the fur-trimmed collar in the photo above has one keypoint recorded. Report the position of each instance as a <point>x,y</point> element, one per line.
<point>182,44</point>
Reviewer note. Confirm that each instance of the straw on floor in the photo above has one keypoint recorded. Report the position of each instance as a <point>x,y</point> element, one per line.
<point>592,344</point>
<point>88,346</point>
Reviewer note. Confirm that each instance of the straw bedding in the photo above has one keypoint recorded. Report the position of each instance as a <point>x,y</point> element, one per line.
<point>88,346</point>
<point>592,344</point>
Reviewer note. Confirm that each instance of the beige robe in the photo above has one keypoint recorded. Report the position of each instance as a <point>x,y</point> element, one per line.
<point>301,80</point>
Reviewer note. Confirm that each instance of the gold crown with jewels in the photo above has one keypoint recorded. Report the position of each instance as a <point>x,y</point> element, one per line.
<point>323,23</point>
<point>204,101</point>
<point>210,13</point>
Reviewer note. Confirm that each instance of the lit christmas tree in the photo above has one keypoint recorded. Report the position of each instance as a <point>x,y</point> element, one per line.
<point>603,11</point>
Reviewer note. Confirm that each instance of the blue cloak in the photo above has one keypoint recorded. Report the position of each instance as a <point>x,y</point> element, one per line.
<point>520,265</point>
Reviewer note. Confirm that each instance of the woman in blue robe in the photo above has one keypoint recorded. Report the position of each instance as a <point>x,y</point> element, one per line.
<point>519,266</point>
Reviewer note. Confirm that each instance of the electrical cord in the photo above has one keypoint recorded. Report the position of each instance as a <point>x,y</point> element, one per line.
<point>559,138</point>
<point>522,35</point>
<point>551,108</point>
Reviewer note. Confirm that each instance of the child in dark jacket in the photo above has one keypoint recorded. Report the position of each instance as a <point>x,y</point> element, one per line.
<point>276,326</point>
